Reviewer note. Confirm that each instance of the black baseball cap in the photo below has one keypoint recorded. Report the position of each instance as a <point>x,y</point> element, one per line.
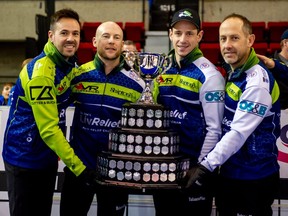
<point>284,35</point>
<point>188,15</point>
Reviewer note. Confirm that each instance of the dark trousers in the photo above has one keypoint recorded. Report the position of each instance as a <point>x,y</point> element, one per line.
<point>30,191</point>
<point>246,197</point>
<point>76,198</point>
<point>195,201</point>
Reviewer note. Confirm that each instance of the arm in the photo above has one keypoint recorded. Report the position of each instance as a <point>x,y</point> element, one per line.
<point>212,100</point>
<point>41,95</point>
<point>278,69</point>
<point>270,64</point>
<point>242,126</point>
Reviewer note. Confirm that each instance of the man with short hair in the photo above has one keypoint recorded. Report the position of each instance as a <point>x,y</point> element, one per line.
<point>247,152</point>
<point>34,138</point>
<point>100,88</point>
<point>193,90</point>
<point>129,45</point>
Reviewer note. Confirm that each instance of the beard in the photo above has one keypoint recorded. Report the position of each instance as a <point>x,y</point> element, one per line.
<point>109,57</point>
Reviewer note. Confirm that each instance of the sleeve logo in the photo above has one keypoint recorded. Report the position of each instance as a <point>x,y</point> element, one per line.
<point>215,96</point>
<point>40,93</point>
<point>253,107</point>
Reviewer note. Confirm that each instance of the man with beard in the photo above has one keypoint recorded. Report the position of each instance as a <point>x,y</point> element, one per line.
<point>36,121</point>
<point>247,151</point>
<point>100,88</point>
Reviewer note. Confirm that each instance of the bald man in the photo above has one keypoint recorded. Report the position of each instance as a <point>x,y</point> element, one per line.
<point>97,101</point>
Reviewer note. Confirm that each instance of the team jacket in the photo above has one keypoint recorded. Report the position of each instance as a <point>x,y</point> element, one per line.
<point>98,102</point>
<point>194,93</point>
<point>251,124</point>
<point>280,72</point>
<point>36,120</point>
<point>2,101</point>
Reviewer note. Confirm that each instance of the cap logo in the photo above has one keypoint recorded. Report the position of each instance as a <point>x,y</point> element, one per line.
<point>186,14</point>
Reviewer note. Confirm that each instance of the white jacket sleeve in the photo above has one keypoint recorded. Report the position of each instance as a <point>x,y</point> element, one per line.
<point>242,126</point>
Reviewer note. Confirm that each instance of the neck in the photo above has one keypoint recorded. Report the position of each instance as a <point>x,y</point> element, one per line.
<point>110,64</point>
<point>108,68</point>
<point>284,53</point>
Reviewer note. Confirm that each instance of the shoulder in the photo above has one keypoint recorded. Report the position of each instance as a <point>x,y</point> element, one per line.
<point>41,67</point>
<point>205,65</point>
<point>208,69</point>
<point>257,76</point>
<point>133,76</point>
<point>84,68</point>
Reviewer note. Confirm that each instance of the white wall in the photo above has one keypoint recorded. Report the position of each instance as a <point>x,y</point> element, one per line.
<point>254,10</point>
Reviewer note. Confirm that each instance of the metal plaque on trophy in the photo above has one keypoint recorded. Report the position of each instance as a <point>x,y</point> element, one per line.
<point>144,152</point>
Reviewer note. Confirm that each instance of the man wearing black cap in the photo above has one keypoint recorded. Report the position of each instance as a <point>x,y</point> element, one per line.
<point>193,90</point>
<point>278,65</point>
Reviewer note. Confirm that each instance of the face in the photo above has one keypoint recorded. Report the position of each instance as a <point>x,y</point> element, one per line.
<point>109,41</point>
<point>130,48</point>
<point>184,38</point>
<point>284,44</point>
<point>6,90</point>
<point>235,44</point>
<point>66,36</point>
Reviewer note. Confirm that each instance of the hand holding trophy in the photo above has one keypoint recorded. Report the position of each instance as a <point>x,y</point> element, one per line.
<point>150,66</point>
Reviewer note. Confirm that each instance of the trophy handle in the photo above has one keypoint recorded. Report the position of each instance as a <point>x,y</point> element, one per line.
<point>132,59</point>
<point>167,63</point>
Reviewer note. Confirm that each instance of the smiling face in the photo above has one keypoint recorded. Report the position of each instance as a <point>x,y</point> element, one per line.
<point>109,41</point>
<point>235,42</point>
<point>6,90</point>
<point>65,36</point>
<point>184,37</point>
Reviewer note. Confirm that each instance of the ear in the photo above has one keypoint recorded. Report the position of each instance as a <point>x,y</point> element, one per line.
<point>251,39</point>
<point>170,34</point>
<point>200,35</point>
<point>94,42</point>
<point>122,44</point>
<point>50,34</point>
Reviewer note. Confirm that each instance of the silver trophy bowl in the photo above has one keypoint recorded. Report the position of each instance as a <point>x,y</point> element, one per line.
<point>148,66</point>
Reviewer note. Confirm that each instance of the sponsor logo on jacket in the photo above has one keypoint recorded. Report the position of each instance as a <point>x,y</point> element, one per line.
<point>253,107</point>
<point>94,121</point>
<point>215,96</point>
<point>41,95</point>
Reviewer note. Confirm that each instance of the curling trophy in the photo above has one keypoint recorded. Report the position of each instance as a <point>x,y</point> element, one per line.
<point>150,66</point>
<point>144,152</point>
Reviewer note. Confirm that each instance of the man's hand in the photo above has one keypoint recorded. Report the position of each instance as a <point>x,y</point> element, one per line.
<point>89,177</point>
<point>270,64</point>
<point>196,175</point>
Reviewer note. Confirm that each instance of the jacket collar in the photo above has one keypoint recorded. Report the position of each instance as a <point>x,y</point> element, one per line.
<point>100,64</point>
<point>192,56</point>
<point>52,52</point>
<point>251,61</point>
